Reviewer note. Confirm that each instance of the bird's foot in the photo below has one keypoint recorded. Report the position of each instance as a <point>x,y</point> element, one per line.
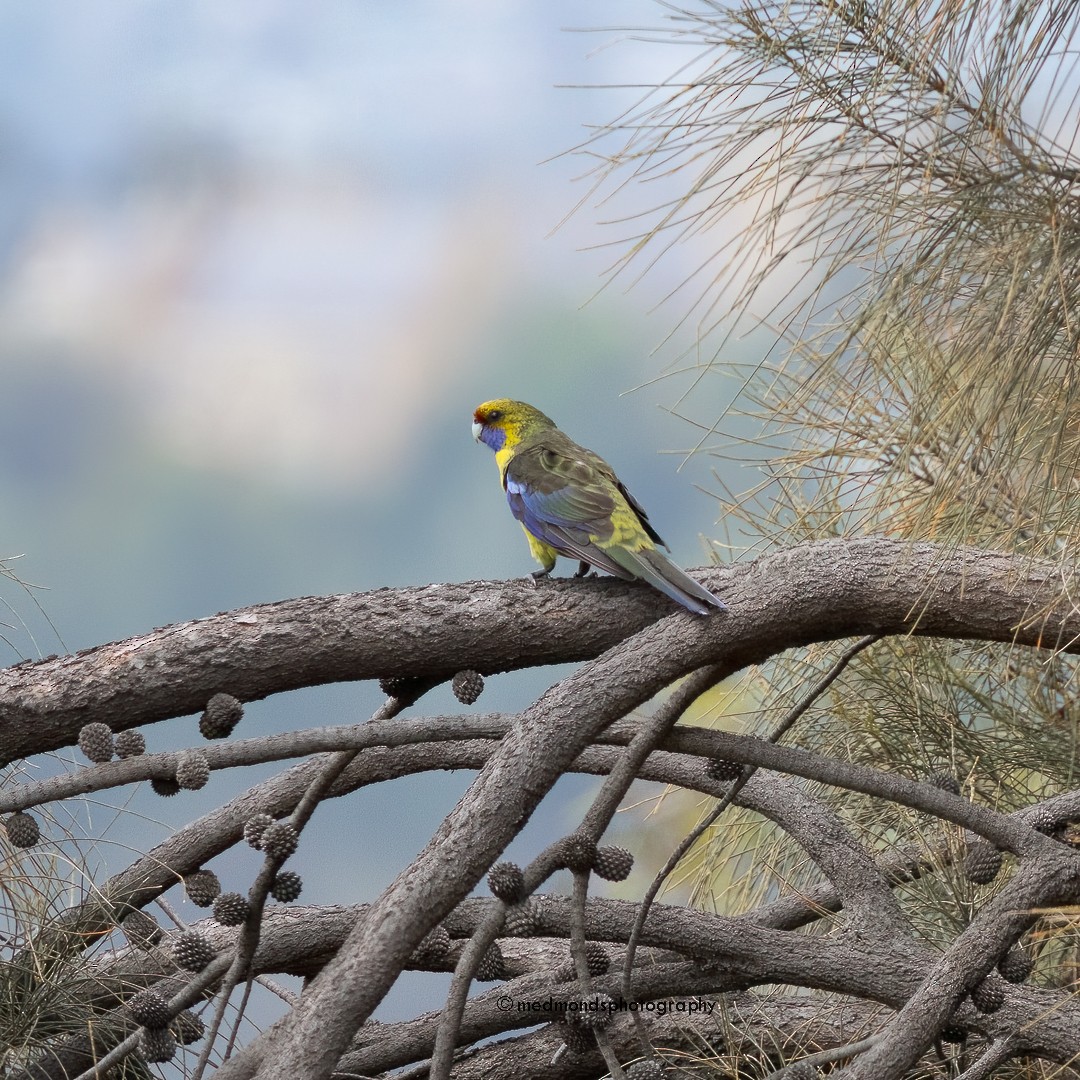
<point>584,570</point>
<point>536,575</point>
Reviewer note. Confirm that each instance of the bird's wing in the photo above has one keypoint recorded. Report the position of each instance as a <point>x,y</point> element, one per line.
<point>565,496</point>
<point>554,462</point>
<point>638,509</point>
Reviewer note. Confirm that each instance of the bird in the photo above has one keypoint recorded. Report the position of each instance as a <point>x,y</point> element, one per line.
<point>570,502</point>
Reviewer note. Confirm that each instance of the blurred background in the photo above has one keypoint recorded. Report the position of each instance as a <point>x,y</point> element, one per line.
<point>260,261</point>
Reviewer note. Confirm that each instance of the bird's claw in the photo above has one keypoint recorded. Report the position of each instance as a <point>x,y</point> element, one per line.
<point>536,576</point>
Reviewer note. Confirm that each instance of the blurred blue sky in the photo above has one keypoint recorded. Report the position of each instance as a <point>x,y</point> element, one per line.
<point>259,256</point>
<point>259,262</point>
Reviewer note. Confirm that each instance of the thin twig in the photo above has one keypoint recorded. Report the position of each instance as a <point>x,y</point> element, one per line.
<point>826,1057</point>
<point>593,825</point>
<point>699,830</point>
<point>999,1051</point>
<point>188,995</point>
<point>577,950</point>
<point>250,932</point>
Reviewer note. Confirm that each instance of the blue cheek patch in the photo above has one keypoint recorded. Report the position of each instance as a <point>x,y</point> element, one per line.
<point>493,437</point>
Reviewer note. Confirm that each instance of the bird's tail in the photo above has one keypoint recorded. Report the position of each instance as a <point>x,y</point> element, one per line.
<point>653,566</point>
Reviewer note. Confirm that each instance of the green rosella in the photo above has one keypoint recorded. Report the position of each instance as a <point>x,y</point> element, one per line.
<point>571,503</point>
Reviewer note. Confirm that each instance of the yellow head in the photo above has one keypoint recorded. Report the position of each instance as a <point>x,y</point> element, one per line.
<point>502,423</point>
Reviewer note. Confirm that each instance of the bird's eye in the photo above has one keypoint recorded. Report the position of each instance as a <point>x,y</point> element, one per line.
<point>495,414</point>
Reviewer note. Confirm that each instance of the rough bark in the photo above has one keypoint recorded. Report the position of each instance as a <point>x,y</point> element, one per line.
<point>635,645</point>
<point>813,592</point>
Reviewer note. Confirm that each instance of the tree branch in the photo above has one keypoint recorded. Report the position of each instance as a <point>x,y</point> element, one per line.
<point>812,592</point>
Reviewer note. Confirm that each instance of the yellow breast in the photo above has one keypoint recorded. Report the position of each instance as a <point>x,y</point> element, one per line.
<point>503,458</point>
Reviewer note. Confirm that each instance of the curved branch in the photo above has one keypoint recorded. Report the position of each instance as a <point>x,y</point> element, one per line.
<point>1047,880</point>
<point>812,592</point>
<point>405,747</point>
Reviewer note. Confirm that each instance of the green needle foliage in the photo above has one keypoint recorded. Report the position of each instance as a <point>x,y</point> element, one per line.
<point>894,188</point>
<point>903,176</point>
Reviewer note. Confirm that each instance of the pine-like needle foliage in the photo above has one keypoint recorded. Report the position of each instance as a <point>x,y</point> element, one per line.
<point>894,187</point>
<point>904,176</point>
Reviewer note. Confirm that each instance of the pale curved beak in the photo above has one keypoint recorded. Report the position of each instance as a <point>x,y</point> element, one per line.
<point>477,429</point>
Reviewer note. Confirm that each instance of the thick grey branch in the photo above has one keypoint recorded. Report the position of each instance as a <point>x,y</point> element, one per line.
<point>809,593</point>
<point>812,592</point>
<point>1037,883</point>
